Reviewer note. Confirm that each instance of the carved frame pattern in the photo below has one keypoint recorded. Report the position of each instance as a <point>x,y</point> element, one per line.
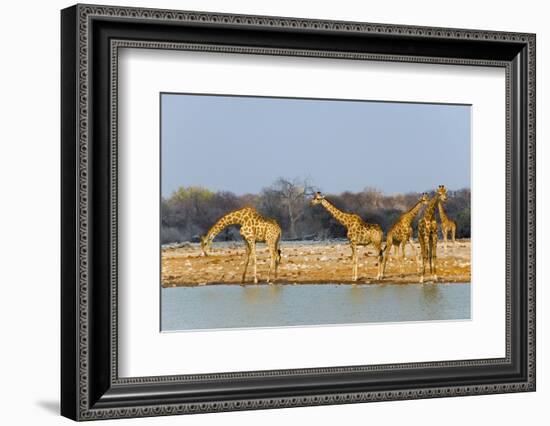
<point>85,14</point>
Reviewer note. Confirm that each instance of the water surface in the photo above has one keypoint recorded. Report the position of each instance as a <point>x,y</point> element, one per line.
<point>234,306</point>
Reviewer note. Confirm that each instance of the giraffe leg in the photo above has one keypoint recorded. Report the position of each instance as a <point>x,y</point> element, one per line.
<point>423,254</point>
<point>277,258</point>
<point>254,259</point>
<point>413,249</point>
<point>385,255</point>
<point>427,256</point>
<point>434,257</point>
<point>379,256</point>
<point>273,252</point>
<point>453,233</point>
<point>246,261</point>
<point>444,232</point>
<point>377,243</point>
<point>354,262</point>
<point>271,264</point>
<point>430,248</point>
<point>402,263</point>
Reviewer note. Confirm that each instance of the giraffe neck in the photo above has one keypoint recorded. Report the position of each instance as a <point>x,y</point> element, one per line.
<point>339,215</point>
<point>409,216</point>
<point>442,214</point>
<point>430,210</point>
<point>233,218</point>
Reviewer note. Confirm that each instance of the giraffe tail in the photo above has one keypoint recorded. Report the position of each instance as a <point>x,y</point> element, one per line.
<point>278,249</point>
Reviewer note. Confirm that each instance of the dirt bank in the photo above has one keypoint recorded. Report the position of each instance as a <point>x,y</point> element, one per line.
<point>305,263</point>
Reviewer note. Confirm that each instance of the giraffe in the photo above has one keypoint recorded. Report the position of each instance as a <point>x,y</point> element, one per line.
<point>254,228</point>
<point>447,226</point>
<point>396,247</point>
<point>401,231</point>
<point>359,233</point>
<point>427,233</point>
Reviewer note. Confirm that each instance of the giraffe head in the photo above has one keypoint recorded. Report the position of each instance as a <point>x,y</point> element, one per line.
<point>317,198</point>
<point>205,245</point>
<point>442,192</point>
<point>424,198</point>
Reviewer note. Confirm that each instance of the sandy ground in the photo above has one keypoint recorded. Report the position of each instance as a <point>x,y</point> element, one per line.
<point>305,263</point>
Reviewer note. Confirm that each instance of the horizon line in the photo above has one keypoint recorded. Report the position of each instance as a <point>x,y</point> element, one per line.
<point>366,189</point>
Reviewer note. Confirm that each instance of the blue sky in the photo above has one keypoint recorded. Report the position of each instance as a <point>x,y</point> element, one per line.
<point>243,144</point>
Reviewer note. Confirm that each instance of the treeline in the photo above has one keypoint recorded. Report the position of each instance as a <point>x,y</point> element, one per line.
<point>190,211</point>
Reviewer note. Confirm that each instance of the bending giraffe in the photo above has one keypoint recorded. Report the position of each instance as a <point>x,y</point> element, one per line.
<point>447,226</point>
<point>359,233</point>
<point>254,228</point>
<point>401,232</point>
<point>427,233</point>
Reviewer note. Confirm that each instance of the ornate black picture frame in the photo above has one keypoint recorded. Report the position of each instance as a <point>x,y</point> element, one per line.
<point>91,36</point>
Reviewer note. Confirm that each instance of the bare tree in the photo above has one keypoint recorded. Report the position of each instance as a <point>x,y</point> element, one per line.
<point>292,194</point>
<point>373,197</point>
